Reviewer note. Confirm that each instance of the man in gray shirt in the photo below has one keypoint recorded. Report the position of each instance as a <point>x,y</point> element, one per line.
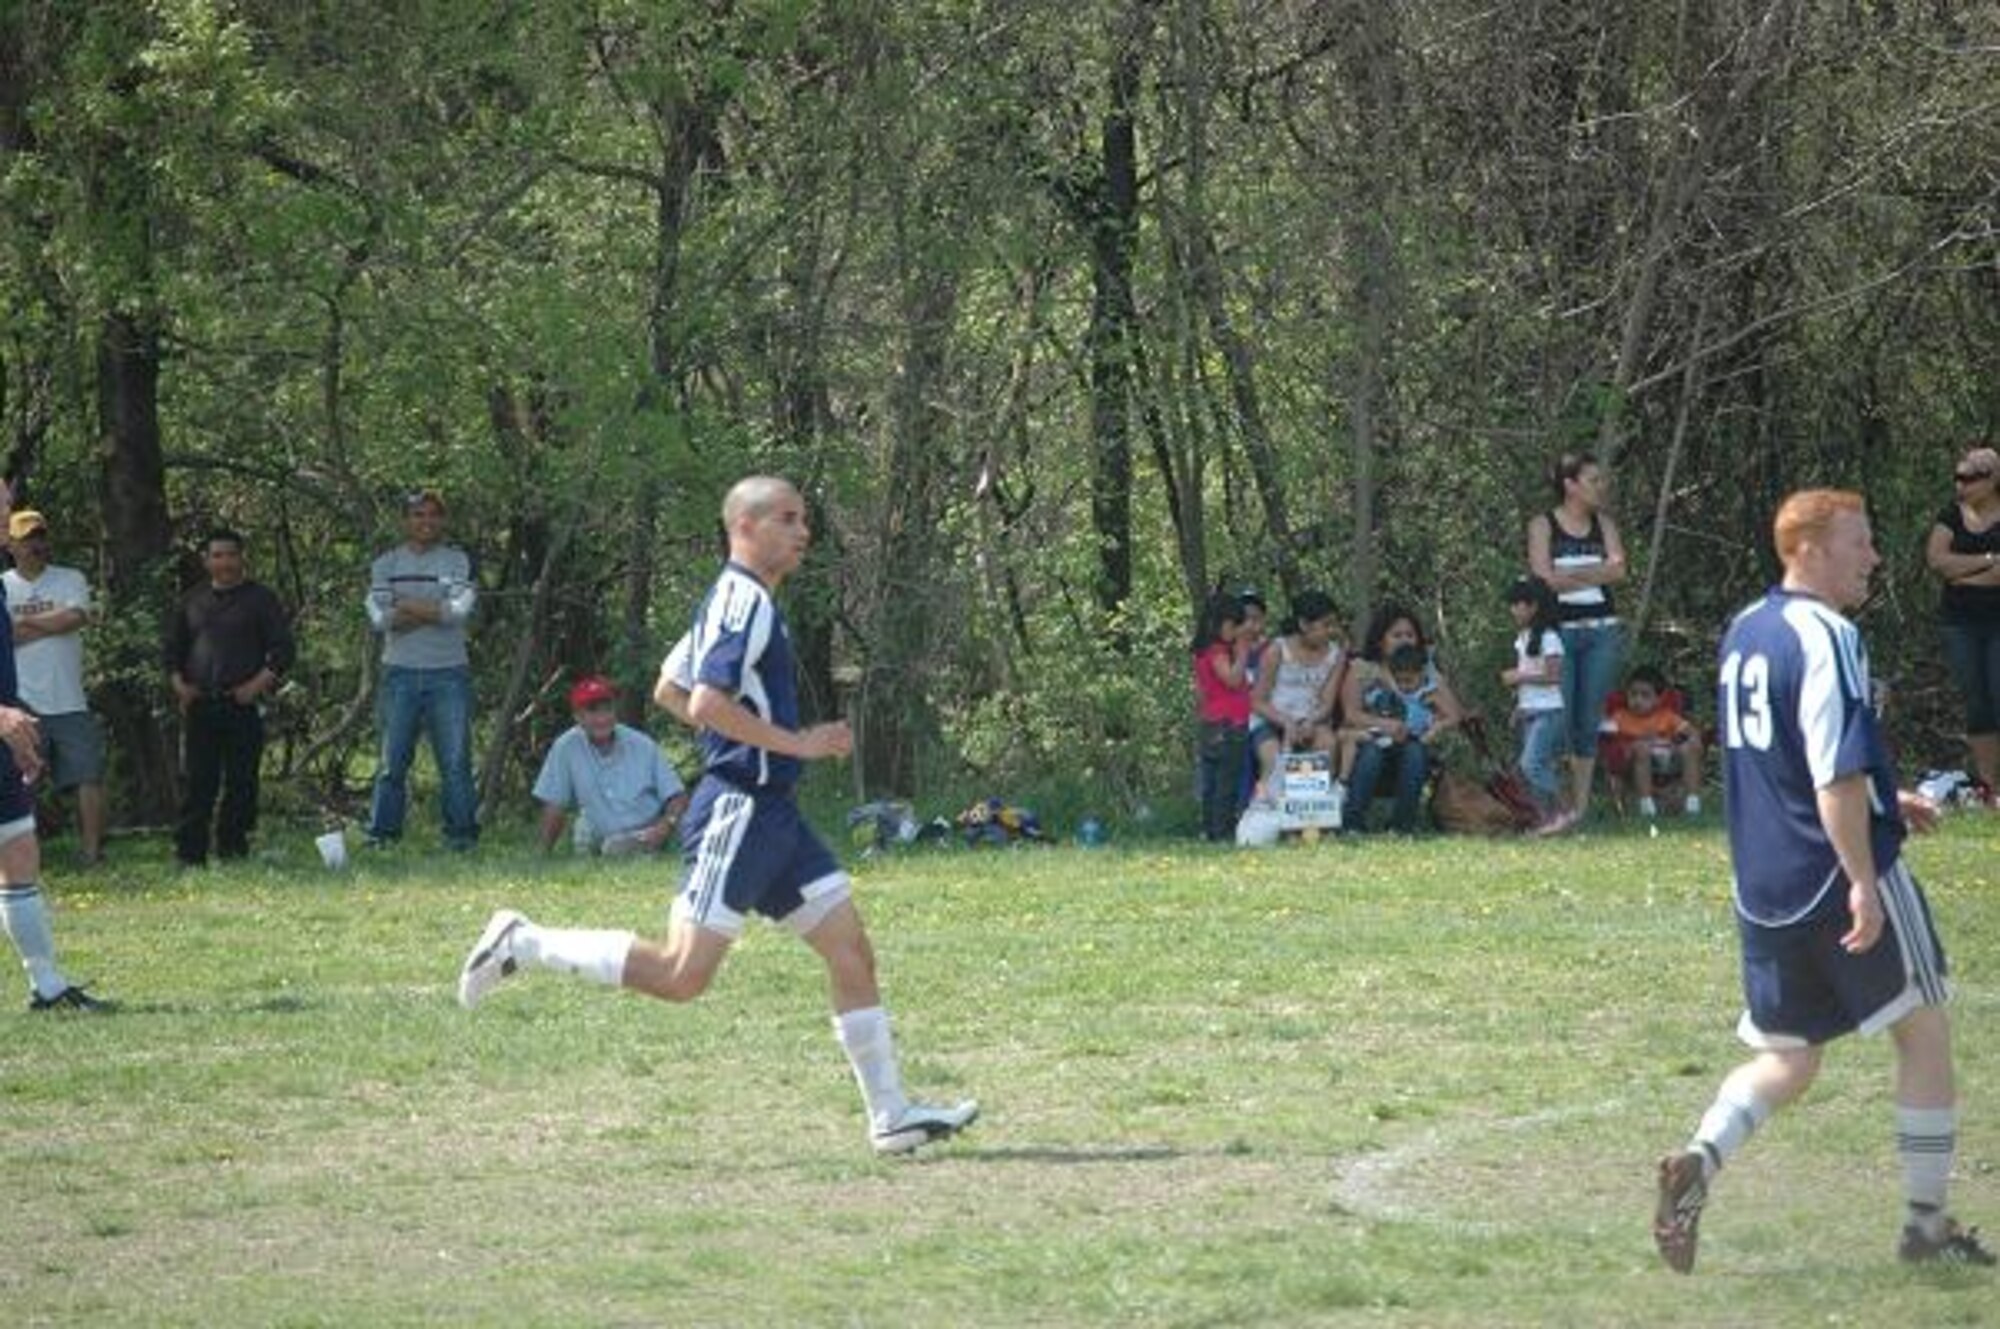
<point>420,598</point>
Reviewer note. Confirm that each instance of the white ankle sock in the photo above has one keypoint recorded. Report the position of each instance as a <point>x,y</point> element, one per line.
<point>598,955</point>
<point>864,1036</point>
<point>25,918</point>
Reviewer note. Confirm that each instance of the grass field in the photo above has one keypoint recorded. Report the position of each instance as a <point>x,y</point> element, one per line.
<point>1403,1083</point>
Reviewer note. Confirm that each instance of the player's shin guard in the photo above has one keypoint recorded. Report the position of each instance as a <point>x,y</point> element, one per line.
<point>25,918</point>
<point>864,1036</point>
<point>1926,1140</point>
<point>598,955</point>
<point>1728,1124</point>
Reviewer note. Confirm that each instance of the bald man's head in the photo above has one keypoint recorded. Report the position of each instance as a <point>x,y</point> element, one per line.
<point>753,496</point>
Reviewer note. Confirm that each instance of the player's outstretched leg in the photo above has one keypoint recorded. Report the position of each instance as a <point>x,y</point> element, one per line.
<point>1683,1187</point>
<point>510,942</point>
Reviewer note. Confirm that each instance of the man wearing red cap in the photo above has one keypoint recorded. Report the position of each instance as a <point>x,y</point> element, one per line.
<point>627,795</point>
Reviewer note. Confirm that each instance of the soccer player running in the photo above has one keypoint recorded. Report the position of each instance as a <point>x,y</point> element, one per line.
<point>1835,932</point>
<point>748,849</point>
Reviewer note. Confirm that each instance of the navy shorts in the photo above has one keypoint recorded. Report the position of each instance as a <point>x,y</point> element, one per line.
<point>1800,989</point>
<point>751,852</point>
<point>15,800</point>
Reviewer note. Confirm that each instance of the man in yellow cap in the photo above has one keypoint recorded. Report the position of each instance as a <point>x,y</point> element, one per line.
<point>50,607</point>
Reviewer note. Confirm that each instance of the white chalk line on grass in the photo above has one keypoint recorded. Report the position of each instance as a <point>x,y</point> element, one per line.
<point>1366,1185</point>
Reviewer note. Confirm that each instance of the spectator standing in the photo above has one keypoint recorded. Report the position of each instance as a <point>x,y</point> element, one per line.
<point>227,648</point>
<point>50,607</point>
<point>1538,701</point>
<point>1221,652</point>
<point>1575,547</point>
<point>627,796</point>
<point>1835,933</point>
<point>1964,551</point>
<point>24,914</point>
<point>1396,751</point>
<point>420,598</point>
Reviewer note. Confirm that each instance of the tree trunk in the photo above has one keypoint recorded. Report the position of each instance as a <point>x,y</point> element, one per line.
<point>1369,67</point>
<point>1114,235</point>
<point>138,578</point>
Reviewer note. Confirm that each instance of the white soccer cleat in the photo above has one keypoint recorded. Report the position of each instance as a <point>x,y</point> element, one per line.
<point>919,1124</point>
<point>491,960</point>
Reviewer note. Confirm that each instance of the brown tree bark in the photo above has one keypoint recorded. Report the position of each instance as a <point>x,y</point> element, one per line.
<point>137,572</point>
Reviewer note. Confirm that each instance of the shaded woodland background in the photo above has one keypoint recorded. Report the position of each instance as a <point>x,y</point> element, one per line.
<point>1060,314</point>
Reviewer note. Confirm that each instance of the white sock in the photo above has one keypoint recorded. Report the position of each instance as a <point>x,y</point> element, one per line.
<point>1926,1140</point>
<point>598,955</point>
<point>1648,808</point>
<point>26,920</point>
<point>1727,1126</point>
<point>864,1036</point>
<point>1694,805</point>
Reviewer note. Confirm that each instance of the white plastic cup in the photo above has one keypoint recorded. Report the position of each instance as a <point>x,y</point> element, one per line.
<point>332,849</point>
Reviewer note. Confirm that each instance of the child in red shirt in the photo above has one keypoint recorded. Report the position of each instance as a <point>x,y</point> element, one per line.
<point>1222,690</point>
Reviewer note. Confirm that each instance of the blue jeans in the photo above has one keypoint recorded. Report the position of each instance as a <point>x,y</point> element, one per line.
<point>1543,734</point>
<point>1974,652</point>
<point>440,700</point>
<point>1591,659</point>
<point>1412,761</point>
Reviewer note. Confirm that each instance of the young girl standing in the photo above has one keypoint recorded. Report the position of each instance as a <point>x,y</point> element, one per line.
<point>1222,689</point>
<point>1538,707</point>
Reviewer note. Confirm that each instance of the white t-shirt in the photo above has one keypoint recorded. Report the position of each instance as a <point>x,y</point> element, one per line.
<point>51,670</point>
<point>1539,697</point>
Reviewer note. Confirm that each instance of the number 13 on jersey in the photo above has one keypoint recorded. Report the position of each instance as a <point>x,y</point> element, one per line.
<point>1746,701</point>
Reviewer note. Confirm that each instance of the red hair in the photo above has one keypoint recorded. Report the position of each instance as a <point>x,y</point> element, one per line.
<point>1807,515</point>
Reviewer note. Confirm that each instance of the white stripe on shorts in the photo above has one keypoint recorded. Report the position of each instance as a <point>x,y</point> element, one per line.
<point>1904,906</point>
<point>728,820</point>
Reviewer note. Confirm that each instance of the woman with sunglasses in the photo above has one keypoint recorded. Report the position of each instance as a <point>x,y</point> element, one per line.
<point>1964,551</point>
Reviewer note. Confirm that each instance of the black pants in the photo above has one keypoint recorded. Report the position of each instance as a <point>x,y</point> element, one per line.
<point>1224,748</point>
<point>225,743</point>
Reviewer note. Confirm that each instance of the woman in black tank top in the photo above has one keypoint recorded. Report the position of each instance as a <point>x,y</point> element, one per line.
<point>1577,550</point>
<point>1964,552</point>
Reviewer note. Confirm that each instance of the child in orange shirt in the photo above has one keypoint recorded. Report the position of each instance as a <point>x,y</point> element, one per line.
<point>1652,743</point>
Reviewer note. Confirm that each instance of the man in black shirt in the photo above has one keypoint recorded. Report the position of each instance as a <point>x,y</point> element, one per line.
<point>228,645</point>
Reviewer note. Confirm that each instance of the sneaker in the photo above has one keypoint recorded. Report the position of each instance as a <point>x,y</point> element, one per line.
<point>920,1124</point>
<point>71,998</point>
<point>492,959</point>
<point>1558,823</point>
<point>1677,1217</point>
<point>1953,1245</point>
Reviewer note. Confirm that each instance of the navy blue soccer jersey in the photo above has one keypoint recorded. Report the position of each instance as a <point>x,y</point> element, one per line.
<point>1793,706</point>
<point>14,800</point>
<point>740,646</point>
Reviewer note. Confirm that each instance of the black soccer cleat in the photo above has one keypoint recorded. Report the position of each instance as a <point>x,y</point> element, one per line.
<point>1953,1245</point>
<point>74,999</point>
